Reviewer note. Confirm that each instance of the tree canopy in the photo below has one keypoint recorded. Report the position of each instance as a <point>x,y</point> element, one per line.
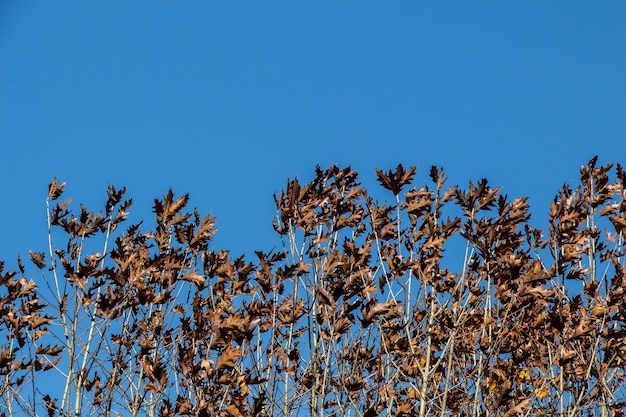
<point>443,300</point>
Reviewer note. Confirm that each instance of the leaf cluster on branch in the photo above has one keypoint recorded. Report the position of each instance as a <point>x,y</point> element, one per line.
<point>444,301</point>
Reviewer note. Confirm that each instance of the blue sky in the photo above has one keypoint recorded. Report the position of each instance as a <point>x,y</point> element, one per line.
<point>226,100</point>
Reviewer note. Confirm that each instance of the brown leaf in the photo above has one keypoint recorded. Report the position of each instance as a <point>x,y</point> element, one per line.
<point>38,258</point>
<point>183,406</point>
<point>27,287</point>
<point>233,411</point>
<point>371,311</point>
<point>403,409</point>
<point>194,277</point>
<point>39,321</point>
<point>394,181</point>
<point>153,387</point>
<point>228,358</point>
<point>566,357</point>
<point>518,409</point>
<point>55,189</point>
<point>47,350</point>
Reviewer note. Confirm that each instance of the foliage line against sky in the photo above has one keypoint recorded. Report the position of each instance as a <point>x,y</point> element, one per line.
<point>444,300</point>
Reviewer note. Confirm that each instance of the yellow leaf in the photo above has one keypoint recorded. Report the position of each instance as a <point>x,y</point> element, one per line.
<point>541,392</point>
<point>243,387</point>
<point>522,376</point>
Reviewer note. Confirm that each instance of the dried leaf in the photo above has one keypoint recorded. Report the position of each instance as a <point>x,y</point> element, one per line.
<point>228,358</point>
<point>55,189</point>
<point>194,277</point>
<point>38,258</point>
<point>394,181</point>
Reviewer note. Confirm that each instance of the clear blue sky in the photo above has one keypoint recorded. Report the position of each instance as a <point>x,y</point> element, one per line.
<point>226,100</point>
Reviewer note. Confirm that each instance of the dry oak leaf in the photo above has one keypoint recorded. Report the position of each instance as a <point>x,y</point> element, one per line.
<point>403,409</point>
<point>228,358</point>
<point>47,350</point>
<point>394,181</point>
<point>38,258</point>
<point>370,311</point>
<point>194,277</point>
<point>518,409</point>
<point>55,189</point>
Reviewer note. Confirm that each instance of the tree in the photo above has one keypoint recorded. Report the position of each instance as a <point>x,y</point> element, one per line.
<point>445,301</point>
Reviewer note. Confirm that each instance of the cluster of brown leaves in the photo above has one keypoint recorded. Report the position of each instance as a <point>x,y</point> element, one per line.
<point>363,312</point>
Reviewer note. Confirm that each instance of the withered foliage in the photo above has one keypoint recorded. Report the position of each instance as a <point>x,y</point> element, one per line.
<point>444,302</point>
